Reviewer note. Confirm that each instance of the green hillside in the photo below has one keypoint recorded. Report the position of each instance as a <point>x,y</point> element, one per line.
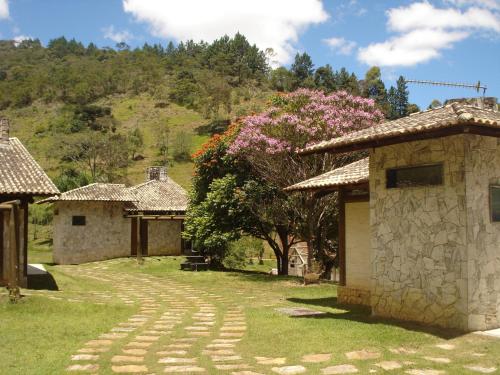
<point>31,124</point>
<point>100,114</point>
<point>79,109</point>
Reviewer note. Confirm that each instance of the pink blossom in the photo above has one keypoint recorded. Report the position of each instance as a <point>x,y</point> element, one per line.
<point>314,117</point>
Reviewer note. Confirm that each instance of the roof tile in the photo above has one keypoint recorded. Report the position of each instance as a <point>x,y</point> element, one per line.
<point>354,173</point>
<point>444,117</point>
<point>20,173</point>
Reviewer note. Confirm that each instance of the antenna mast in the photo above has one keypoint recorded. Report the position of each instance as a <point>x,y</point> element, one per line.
<point>476,87</point>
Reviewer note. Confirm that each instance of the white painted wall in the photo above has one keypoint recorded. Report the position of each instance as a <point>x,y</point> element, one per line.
<point>358,253</point>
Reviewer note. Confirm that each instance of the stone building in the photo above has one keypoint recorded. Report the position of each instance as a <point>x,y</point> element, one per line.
<point>434,216</point>
<point>21,180</point>
<point>103,221</point>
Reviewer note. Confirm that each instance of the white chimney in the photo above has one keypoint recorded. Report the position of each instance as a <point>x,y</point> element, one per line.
<point>157,173</point>
<point>4,131</point>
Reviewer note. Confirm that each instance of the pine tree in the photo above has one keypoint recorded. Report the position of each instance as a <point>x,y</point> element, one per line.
<point>401,98</point>
<point>302,67</point>
<point>392,101</point>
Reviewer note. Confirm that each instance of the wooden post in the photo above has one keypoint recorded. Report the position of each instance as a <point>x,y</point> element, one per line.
<point>139,249</point>
<point>133,237</point>
<point>342,244</point>
<point>11,247</point>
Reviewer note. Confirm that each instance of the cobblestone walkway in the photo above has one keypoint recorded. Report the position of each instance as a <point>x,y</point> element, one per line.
<point>179,329</point>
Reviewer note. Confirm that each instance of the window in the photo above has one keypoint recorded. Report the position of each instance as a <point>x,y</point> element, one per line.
<point>495,203</point>
<point>425,175</point>
<point>78,220</point>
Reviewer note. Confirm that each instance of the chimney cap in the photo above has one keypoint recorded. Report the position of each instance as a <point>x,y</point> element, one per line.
<point>488,102</point>
<point>4,130</point>
<point>156,173</point>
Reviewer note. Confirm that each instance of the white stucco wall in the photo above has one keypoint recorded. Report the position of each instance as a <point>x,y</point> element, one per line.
<point>106,233</point>
<point>358,251</point>
<point>164,237</point>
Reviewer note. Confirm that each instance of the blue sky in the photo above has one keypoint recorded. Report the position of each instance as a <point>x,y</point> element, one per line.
<point>443,40</point>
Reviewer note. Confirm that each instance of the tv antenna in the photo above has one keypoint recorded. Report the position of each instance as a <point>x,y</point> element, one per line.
<point>476,86</point>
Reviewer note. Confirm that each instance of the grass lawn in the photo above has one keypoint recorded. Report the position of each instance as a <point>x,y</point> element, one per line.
<point>40,334</point>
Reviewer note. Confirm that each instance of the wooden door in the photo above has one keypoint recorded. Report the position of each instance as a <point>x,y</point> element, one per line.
<point>143,229</point>
<point>133,237</point>
<point>1,248</point>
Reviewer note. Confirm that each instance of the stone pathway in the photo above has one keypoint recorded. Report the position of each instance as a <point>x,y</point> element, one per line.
<point>178,329</point>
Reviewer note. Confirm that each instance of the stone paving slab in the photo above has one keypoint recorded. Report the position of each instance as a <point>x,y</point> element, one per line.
<point>84,357</point>
<point>270,360</point>
<point>130,369</point>
<point>126,359</point>
<point>481,369</point>
<point>316,358</point>
<point>183,369</point>
<point>339,369</point>
<point>289,370</point>
<point>83,368</point>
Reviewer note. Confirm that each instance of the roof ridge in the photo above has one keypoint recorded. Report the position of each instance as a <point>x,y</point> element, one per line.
<point>92,184</point>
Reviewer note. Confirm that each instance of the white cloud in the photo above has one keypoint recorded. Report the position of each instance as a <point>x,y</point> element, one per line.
<point>424,15</point>
<point>424,31</point>
<point>272,24</point>
<point>117,36</point>
<point>341,45</point>
<point>489,4</point>
<point>415,47</point>
<point>4,9</point>
<point>19,38</point>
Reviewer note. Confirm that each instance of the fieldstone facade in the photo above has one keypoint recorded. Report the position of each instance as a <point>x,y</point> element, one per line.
<point>435,252</point>
<point>105,235</point>
<point>482,169</point>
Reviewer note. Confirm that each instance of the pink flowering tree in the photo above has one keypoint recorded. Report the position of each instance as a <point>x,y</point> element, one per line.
<point>269,142</point>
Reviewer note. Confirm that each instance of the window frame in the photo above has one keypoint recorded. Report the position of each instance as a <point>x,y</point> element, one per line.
<point>490,188</point>
<point>439,164</point>
<point>76,223</point>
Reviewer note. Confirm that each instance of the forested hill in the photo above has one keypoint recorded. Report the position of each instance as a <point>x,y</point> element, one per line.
<point>101,114</point>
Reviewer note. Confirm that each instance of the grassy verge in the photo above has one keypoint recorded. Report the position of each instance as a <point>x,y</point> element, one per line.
<point>39,334</point>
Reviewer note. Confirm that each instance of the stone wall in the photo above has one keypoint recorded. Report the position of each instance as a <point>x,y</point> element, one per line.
<point>482,169</point>
<point>358,252</point>
<point>353,296</point>
<point>164,237</point>
<point>106,234</point>
<point>419,242</point>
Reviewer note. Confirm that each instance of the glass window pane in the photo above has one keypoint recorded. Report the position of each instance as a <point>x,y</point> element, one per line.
<point>495,203</point>
<point>415,176</point>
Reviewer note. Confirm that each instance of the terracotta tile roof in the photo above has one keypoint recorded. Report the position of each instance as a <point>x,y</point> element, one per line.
<point>158,196</point>
<point>96,192</point>
<point>354,173</point>
<point>450,116</point>
<point>20,173</point>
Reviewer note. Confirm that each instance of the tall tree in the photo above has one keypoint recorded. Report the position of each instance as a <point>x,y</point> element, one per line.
<point>302,67</point>
<point>401,97</point>
<point>374,88</point>
<point>324,78</point>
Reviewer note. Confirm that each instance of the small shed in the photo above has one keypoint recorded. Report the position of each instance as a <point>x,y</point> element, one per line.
<point>21,180</point>
<point>297,260</point>
<point>103,221</point>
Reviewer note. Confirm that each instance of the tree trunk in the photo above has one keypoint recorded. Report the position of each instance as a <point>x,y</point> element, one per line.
<point>285,249</point>
<point>310,253</point>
